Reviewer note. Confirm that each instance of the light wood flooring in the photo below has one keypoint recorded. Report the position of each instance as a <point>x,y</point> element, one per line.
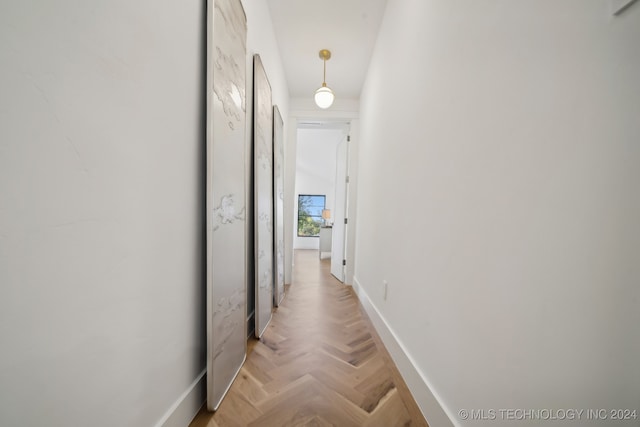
<point>319,363</point>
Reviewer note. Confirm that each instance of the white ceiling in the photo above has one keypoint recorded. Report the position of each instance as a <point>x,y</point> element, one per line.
<point>348,28</point>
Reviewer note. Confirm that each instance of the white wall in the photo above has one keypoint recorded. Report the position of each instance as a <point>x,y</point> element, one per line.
<point>502,138</point>
<point>261,39</point>
<point>102,228</point>
<point>316,172</point>
<point>101,210</point>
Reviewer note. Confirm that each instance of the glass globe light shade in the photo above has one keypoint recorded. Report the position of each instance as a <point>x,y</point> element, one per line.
<point>324,97</point>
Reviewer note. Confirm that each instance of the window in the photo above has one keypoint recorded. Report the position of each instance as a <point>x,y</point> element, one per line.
<point>310,215</point>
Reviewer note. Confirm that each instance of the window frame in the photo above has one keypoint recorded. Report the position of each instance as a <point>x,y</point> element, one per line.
<point>319,220</point>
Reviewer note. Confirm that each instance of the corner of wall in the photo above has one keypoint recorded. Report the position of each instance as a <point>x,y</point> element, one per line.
<point>184,410</point>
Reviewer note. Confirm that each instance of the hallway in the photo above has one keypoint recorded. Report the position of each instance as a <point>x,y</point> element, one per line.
<point>319,363</point>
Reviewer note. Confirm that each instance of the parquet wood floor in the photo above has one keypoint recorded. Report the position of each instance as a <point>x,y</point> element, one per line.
<point>319,363</point>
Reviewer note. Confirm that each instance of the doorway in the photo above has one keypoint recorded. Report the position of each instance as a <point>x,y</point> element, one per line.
<point>322,156</point>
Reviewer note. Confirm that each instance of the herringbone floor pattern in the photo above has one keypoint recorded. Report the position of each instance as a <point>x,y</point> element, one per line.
<point>319,363</point>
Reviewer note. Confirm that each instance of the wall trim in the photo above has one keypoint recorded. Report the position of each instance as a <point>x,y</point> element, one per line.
<point>186,407</point>
<point>429,403</point>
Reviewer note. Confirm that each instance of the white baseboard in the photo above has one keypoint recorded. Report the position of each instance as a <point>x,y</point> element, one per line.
<point>433,411</point>
<point>188,404</point>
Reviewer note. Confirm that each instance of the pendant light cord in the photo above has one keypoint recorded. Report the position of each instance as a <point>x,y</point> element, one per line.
<point>324,77</point>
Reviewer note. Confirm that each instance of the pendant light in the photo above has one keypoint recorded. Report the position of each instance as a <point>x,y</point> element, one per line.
<point>324,95</point>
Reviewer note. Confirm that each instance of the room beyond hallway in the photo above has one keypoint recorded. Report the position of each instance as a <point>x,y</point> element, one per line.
<point>318,363</point>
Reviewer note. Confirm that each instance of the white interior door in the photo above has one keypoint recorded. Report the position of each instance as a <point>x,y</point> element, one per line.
<point>340,206</point>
